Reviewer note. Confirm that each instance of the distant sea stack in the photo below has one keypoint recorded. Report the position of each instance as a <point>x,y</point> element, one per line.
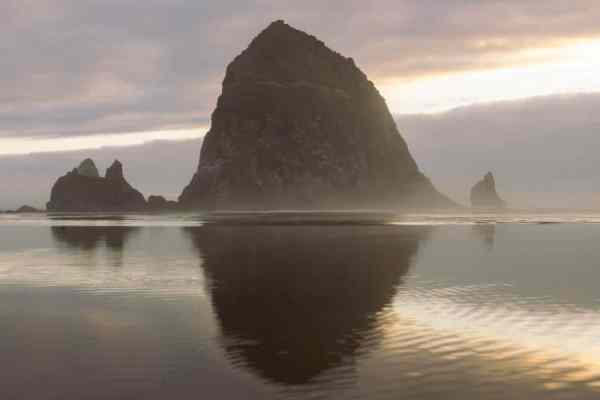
<point>484,195</point>
<point>159,203</point>
<point>83,189</point>
<point>27,210</point>
<point>299,126</point>
<point>22,210</point>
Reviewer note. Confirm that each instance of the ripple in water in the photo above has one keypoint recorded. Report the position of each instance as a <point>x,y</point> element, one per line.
<point>261,310</point>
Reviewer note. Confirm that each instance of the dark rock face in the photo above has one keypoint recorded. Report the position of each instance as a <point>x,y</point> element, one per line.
<point>76,192</point>
<point>88,168</point>
<point>484,194</point>
<point>300,126</point>
<point>159,203</point>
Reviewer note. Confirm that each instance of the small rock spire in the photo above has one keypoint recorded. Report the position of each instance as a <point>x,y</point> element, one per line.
<point>115,171</point>
<point>88,168</point>
<point>484,195</point>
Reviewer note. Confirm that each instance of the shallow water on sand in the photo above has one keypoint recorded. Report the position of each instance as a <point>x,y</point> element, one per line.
<point>288,305</point>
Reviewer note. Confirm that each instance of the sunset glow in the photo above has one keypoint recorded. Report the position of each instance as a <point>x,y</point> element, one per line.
<point>567,69</point>
<point>545,71</point>
<point>17,146</point>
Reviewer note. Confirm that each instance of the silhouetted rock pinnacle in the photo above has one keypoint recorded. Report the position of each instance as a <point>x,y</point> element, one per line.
<point>85,192</point>
<point>115,172</point>
<point>484,194</point>
<point>300,126</point>
<point>88,168</point>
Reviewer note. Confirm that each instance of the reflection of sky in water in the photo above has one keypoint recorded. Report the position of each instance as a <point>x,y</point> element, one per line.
<point>325,311</point>
<point>104,258</point>
<point>527,305</point>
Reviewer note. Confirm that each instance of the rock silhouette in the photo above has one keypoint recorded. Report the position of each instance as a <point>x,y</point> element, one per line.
<point>77,192</point>
<point>27,210</point>
<point>300,126</point>
<point>159,203</point>
<point>88,168</point>
<point>484,195</point>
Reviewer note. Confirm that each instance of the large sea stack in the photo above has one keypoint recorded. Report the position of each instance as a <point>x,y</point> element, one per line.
<point>484,195</point>
<point>84,190</point>
<point>300,126</point>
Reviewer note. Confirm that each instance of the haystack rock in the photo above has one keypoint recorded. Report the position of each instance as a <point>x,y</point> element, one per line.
<point>484,195</point>
<point>299,126</point>
<point>84,190</point>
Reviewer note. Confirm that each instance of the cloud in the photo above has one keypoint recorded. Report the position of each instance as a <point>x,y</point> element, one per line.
<point>16,146</point>
<point>541,150</point>
<point>71,67</point>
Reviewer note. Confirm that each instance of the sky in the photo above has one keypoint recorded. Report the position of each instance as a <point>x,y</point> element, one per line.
<point>502,85</point>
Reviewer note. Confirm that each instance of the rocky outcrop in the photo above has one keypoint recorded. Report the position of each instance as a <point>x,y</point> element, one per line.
<point>88,168</point>
<point>484,195</point>
<point>22,210</point>
<point>27,210</point>
<point>159,203</point>
<point>300,126</point>
<point>78,192</point>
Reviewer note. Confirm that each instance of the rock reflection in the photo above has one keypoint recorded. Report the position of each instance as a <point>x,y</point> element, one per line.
<point>295,301</point>
<point>487,233</point>
<point>89,238</point>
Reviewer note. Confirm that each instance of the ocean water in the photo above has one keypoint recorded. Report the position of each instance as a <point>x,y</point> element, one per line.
<point>300,305</point>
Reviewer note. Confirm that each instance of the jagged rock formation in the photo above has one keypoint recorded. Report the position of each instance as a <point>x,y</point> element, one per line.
<point>77,192</point>
<point>300,126</point>
<point>88,168</point>
<point>484,195</point>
